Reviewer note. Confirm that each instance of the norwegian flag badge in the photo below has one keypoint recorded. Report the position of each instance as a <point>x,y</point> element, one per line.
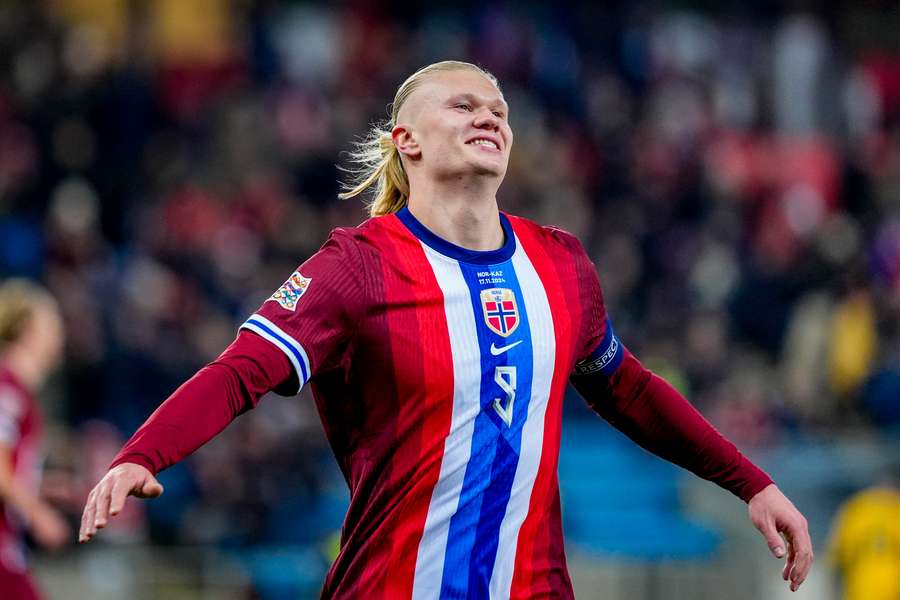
<point>500,311</point>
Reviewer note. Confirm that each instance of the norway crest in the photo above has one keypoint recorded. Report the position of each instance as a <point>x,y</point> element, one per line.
<point>291,290</point>
<point>500,310</point>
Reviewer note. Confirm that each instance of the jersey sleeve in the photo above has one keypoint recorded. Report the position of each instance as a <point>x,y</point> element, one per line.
<point>645,407</point>
<point>312,316</point>
<point>599,351</point>
<point>206,403</point>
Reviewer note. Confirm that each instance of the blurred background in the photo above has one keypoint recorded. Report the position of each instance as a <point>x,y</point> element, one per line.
<point>733,170</point>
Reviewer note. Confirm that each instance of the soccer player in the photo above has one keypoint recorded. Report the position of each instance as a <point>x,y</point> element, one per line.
<point>31,335</point>
<point>438,338</point>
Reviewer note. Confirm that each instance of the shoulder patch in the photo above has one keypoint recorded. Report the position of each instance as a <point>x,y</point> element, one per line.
<point>291,291</point>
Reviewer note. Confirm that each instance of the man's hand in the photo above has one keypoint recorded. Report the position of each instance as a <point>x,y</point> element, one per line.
<point>774,515</point>
<point>108,497</point>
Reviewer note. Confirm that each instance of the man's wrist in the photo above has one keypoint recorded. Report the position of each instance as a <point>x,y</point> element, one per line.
<point>135,459</point>
<point>760,490</point>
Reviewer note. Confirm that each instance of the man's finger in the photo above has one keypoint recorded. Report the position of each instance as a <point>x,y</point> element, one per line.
<point>82,532</point>
<point>100,499</point>
<point>803,562</point>
<point>117,496</point>
<point>102,515</point>
<point>84,515</point>
<point>87,521</point>
<point>790,560</point>
<point>801,569</point>
<point>773,540</point>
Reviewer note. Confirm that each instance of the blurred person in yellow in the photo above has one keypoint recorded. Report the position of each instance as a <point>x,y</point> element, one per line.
<point>31,342</point>
<point>865,542</point>
<point>854,344</point>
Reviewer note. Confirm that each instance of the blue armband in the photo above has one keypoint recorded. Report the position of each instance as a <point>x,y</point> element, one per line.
<point>605,358</point>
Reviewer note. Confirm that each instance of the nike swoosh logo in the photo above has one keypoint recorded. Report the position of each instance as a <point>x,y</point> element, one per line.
<point>498,351</point>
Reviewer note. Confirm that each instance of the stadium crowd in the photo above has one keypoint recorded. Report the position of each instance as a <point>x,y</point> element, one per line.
<point>164,165</point>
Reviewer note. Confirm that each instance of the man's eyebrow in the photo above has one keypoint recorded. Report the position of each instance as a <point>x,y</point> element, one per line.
<point>473,98</point>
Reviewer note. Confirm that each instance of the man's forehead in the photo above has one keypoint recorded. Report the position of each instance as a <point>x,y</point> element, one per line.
<point>442,86</point>
<point>464,82</point>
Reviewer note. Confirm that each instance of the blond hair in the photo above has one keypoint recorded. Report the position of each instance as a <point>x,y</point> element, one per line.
<point>377,158</point>
<point>17,301</point>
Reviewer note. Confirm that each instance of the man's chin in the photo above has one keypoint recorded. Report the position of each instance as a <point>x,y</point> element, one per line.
<point>489,168</point>
<point>479,169</point>
<point>489,171</point>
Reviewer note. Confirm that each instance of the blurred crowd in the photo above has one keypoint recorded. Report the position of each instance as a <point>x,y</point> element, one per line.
<point>734,173</point>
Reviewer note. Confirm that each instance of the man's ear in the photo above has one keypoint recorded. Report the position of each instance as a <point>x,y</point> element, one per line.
<point>405,141</point>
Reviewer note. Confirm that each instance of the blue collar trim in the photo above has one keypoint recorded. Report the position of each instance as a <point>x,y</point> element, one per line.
<point>451,250</point>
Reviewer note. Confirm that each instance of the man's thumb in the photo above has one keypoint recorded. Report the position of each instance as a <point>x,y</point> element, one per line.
<point>151,488</point>
<point>776,544</point>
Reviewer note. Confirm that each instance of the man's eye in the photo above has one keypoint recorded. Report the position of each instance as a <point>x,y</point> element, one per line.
<point>464,106</point>
<point>498,114</point>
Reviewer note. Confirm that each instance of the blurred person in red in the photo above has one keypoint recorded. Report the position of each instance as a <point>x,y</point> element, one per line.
<point>438,338</point>
<point>31,341</point>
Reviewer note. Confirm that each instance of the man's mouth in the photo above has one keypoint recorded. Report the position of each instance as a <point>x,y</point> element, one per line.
<point>484,142</point>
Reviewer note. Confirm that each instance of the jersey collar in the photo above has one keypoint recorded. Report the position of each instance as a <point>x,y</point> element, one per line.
<point>451,250</point>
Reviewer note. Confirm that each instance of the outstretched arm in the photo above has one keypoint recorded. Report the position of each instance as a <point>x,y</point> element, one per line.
<point>195,413</point>
<point>653,414</point>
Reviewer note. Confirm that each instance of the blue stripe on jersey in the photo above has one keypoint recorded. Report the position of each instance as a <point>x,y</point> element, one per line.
<point>606,357</point>
<point>288,345</point>
<point>475,527</point>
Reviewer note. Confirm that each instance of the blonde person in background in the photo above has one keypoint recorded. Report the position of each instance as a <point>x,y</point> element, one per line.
<point>865,542</point>
<point>31,341</point>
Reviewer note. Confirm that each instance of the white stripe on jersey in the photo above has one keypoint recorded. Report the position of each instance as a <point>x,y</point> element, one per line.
<point>543,340</point>
<point>466,358</point>
<point>291,347</point>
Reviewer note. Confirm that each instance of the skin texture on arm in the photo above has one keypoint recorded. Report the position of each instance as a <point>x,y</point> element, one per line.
<point>43,521</point>
<point>195,413</point>
<point>658,418</point>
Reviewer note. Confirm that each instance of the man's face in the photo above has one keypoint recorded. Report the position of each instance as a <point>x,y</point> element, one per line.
<point>455,123</point>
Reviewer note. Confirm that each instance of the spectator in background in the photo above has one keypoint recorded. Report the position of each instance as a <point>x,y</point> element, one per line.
<point>31,336</point>
<point>865,542</point>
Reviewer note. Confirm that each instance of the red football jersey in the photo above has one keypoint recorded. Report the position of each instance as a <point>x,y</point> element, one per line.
<point>21,430</point>
<point>439,374</point>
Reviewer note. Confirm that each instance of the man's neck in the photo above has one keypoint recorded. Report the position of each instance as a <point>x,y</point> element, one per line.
<point>467,217</point>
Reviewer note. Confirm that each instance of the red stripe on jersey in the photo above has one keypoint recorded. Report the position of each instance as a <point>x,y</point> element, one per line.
<point>425,416</point>
<point>540,556</point>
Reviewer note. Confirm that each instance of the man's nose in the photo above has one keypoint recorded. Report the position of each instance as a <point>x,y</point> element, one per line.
<point>485,119</point>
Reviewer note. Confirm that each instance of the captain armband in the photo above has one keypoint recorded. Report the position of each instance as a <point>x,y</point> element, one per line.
<point>605,358</point>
